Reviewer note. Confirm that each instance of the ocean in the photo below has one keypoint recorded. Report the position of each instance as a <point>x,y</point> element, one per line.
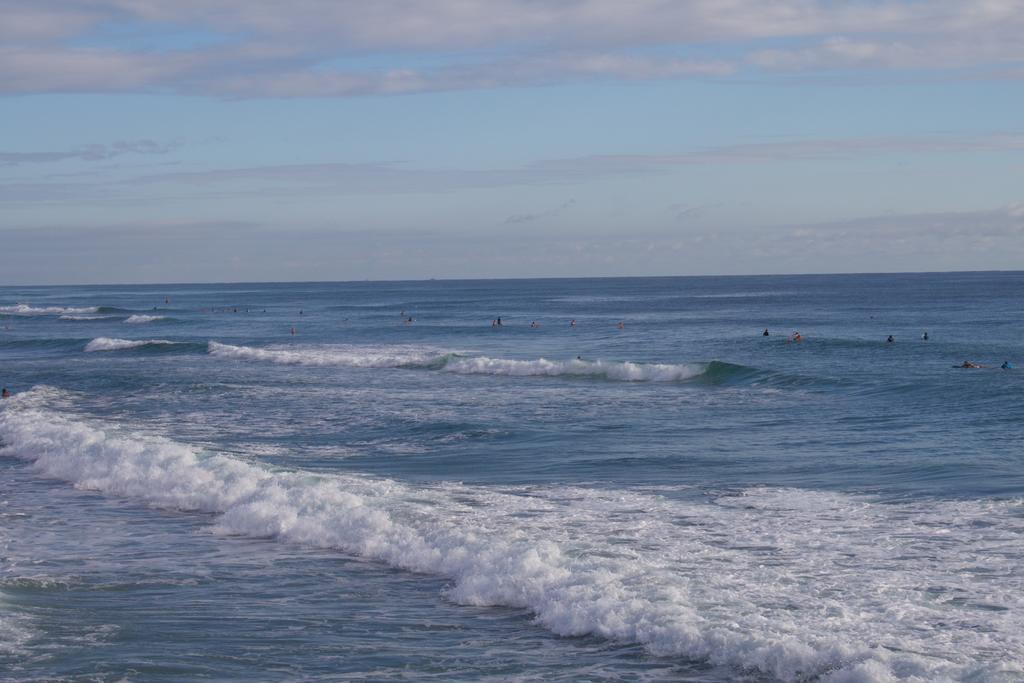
<point>376,481</point>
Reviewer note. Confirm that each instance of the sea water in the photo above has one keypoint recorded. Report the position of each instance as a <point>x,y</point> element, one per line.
<point>377,481</point>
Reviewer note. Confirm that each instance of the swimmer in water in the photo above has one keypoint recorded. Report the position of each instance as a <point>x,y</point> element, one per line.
<point>5,393</point>
<point>572,323</point>
<point>765,333</point>
<point>925,336</point>
<point>890,340</point>
<point>621,325</point>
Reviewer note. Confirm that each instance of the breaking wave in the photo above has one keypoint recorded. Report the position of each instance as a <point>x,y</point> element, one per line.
<point>795,585</point>
<point>714,372</point>
<point>138,319</point>
<point>108,344</point>
<point>25,309</point>
<point>612,370</point>
<point>335,355</point>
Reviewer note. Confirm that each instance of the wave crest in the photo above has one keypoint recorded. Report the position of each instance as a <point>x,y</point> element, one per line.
<point>449,361</point>
<point>109,344</point>
<point>612,370</point>
<point>334,355</point>
<point>25,309</point>
<point>139,319</point>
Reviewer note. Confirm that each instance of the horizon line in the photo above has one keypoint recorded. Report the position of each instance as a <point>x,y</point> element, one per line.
<point>507,279</point>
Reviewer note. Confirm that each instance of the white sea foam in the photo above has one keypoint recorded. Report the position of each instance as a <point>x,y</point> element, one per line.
<point>622,371</point>
<point>85,317</point>
<point>798,585</point>
<point>336,355</point>
<point>138,319</point>
<point>14,630</point>
<point>108,344</point>
<point>403,356</point>
<point>25,309</point>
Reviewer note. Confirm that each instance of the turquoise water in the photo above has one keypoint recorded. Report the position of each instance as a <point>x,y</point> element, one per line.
<point>190,489</point>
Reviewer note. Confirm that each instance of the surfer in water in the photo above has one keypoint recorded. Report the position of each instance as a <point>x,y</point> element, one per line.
<point>925,336</point>
<point>969,364</point>
<point>5,393</point>
<point>1007,365</point>
<point>890,340</point>
<point>765,333</point>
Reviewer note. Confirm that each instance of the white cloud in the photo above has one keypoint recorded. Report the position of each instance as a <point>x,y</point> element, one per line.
<point>29,22</point>
<point>462,24</point>
<point>917,53</point>
<point>57,69</point>
<point>274,49</point>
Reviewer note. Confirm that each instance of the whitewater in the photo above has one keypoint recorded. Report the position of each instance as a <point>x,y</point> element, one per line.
<point>561,566</point>
<point>449,361</point>
<point>671,501</point>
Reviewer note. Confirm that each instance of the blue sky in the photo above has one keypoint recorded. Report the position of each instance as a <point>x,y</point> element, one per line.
<point>147,141</point>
